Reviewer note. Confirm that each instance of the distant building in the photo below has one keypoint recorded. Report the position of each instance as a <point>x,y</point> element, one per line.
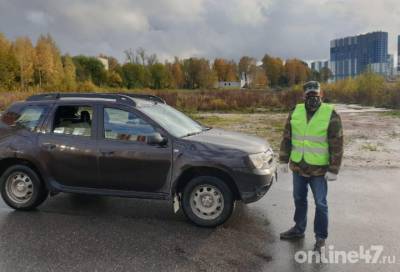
<point>244,82</point>
<point>230,84</point>
<point>398,53</point>
<point>392,69</point>
<point>354,55</point>
<point>319,64</point>
<point>104,61</point>
<point>391,66</point>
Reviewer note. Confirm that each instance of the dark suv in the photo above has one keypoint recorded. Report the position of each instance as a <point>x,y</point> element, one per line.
<point>128,145</point>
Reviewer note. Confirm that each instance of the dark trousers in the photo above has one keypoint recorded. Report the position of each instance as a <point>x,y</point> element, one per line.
<point>319,187</point>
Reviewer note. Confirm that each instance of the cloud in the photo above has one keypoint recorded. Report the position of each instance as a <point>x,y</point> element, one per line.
<point>38,17</point>
<point>209,28</point>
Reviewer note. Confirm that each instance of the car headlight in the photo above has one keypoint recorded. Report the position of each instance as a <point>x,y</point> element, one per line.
<point>262,160</point>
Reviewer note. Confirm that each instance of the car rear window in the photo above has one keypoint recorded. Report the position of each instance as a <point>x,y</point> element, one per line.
<point>27,117</point>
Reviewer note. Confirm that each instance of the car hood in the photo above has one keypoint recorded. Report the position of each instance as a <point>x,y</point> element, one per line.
<point>231,140</point>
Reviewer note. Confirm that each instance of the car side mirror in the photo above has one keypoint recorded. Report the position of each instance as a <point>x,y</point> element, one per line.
<point>156,139</point>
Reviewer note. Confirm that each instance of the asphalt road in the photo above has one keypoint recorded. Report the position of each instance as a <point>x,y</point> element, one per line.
<point>86,233</point>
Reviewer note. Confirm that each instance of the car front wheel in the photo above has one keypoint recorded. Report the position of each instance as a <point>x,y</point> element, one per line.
<point>21,188</point>
<point>207,201</point>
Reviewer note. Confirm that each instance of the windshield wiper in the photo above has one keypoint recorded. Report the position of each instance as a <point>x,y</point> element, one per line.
<point>198,132</point>
<point>191,134</point>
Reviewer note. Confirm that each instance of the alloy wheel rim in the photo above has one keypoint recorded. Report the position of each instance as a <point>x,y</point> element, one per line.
<point>19,187</point>
<point>207,202</point>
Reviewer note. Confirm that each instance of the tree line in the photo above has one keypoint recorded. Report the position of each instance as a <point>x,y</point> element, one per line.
<point>26,66</point>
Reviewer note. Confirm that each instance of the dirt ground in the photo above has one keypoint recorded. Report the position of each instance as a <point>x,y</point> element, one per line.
<point>372,136</point>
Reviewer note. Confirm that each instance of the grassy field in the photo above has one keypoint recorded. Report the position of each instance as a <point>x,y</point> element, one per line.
<point>394,113</point>
<point>268,125</point>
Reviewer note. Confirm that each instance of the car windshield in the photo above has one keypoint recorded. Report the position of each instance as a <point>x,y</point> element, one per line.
<point>172,120</point>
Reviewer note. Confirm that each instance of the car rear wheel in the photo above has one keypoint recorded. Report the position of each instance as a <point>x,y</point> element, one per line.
<point>207,201</point>
<point>21,188</point>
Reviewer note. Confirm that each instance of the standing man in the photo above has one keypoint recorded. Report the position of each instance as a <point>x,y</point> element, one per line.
<point>312,145</point>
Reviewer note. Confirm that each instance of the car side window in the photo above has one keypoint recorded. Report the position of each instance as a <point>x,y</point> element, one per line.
<point>125,125</point>
<point>73,120</point>
<point>28,117</point>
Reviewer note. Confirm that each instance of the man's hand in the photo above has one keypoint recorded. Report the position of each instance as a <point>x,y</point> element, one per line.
<point>329,176</point>
<point>284,167</point>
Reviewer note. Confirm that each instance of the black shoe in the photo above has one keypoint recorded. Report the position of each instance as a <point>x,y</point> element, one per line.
<point>319,244</point>
<point>292,234</point>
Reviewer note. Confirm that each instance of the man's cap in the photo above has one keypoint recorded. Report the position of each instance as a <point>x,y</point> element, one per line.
<point>312,86</point>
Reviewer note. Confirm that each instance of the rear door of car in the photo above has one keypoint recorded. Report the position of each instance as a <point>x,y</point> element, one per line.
<point>19,128</point>
<point>68,146</point>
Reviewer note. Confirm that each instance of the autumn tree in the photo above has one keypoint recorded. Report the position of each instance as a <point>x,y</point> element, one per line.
<point>48,64</point>
<point>370,88</point>
<point>231,71</point>
<point>159,76</point>
<point>58,72</point>
<point>325,74</point>
<point>43,61</point>
<point>8,64</point>
<point>69,81</point>
<point>25,55</point>
<point>296,72</point>
<point>114,79</point>
<point>219,68</point>
<point>260,79</point>
<point>225,70</point>
<point>273,68</point>
<point>134,75</point>
<point>245,64</point>
<point>90,69</point>
<point>177,76</point>
<point>198,73</point>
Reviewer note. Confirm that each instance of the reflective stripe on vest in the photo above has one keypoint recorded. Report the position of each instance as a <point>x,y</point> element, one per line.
<point>321,139</point>
<point>310,139</point>
<point>316,150</point>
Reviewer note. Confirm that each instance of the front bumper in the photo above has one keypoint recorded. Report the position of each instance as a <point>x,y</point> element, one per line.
<point>254,185</point>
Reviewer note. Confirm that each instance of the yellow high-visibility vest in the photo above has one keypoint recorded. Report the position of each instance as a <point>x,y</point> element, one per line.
<point>310,139</point>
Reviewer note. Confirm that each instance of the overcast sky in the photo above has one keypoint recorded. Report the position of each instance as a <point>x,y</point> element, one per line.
<point>209,28</point>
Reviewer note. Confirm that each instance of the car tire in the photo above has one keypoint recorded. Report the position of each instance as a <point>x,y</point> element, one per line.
<point>207,201</point>
<point>21,188</point>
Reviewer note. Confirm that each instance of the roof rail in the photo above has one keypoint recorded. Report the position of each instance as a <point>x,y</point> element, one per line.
<point>127,98</point>
<point>122,98</point>
<point>46,96</point>
<point>153,98</point>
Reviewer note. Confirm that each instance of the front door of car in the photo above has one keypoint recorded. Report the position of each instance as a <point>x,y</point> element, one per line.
<point>69,146</point>
<point>127,161</point>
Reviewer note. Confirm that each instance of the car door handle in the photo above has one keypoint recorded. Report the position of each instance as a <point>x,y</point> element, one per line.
<point>49,146</point>
<point>107,153</point>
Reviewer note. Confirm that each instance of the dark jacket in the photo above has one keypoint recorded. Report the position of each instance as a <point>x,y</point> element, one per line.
<point>335,141</point>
